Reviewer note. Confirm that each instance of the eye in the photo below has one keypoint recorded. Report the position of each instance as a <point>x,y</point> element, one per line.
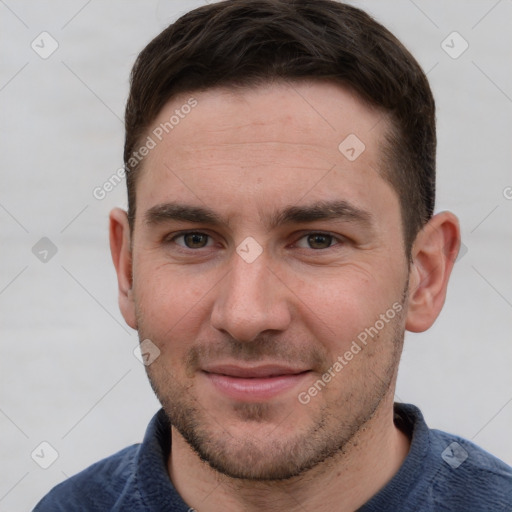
<point>193,240</point>
<point>317,241</point>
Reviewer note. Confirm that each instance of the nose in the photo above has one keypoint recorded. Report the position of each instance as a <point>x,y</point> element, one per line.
<point>250,301</point>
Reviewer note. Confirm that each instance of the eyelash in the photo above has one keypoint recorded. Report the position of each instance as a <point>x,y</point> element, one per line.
<point>336,239</point>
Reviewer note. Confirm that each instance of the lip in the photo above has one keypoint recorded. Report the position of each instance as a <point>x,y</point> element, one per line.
<point>253,384</point>
<point>252,372</point>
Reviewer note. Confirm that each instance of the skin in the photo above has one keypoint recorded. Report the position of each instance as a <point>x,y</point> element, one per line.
<point>247,155</point>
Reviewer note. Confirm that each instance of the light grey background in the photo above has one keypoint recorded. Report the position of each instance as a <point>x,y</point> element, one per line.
<point>67,369</point>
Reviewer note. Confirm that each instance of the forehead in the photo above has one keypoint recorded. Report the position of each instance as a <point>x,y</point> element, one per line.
<point>317,112</point>
<point>260,147</point>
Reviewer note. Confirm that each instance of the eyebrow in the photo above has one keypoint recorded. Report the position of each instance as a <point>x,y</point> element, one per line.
<point>165,212</point>
<point>321,210</point>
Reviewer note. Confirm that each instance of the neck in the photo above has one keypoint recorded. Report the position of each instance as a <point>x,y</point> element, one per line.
<point>343,483</point>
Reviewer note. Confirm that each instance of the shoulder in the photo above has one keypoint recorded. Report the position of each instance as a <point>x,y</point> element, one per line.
<point>97,487</point>
<point>445,472</point>
<point>468,475</point>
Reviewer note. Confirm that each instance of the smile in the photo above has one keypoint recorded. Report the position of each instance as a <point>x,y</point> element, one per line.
<point>254,384</point>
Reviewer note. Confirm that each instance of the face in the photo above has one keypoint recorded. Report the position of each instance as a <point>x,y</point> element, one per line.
<point>269,270</point>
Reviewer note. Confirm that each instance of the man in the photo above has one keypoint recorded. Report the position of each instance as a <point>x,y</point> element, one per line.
<point>279,240</point>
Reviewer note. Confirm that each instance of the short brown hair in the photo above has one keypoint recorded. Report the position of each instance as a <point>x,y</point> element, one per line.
<point>249,42</point>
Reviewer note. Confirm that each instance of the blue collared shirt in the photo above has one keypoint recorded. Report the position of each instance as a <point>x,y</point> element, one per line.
<point>442,473</point>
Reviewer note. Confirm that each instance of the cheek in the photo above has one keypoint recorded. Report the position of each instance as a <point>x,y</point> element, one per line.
<point>172,306</point>
<point>338,307</point>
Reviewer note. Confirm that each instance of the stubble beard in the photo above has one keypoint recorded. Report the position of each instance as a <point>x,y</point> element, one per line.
<point>331,431</point>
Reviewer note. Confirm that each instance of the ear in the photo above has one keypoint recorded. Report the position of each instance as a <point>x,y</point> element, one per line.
<point>122,258</point>
<point>433,255</point>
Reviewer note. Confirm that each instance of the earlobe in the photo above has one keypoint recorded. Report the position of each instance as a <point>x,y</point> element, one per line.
<point>120,249</point>
<point>433,255</point>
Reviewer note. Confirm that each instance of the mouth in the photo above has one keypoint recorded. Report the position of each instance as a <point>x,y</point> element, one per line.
<point>254,384</point>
